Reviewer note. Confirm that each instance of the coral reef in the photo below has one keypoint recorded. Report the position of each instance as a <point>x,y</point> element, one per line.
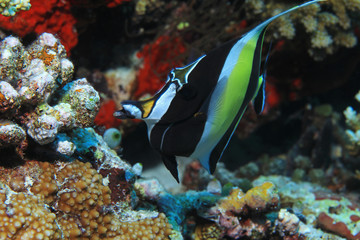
<point>12,134</point>
<point>320,207</point>
<point>196,177</point>
<point>287,224</point>
<point>231,215</point>
<point>62,179</point>
<point>159,58</point>
<point>122,81</point>
<point>40,200</point>
<point>10,7</point>
<point>353,133</point>
<point>328,30</point>
<point>176,207</point>
<point>208,231</point>
<point>105,115</point>
<point>230,212</point>
<point>53,17</point>
<point>38,97</point>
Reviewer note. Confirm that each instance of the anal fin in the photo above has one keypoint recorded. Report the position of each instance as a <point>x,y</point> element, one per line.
<point>171,165</point>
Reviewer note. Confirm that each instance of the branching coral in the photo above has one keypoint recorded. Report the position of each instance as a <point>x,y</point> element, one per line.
<point>328,29</point>
<point>325,26</point>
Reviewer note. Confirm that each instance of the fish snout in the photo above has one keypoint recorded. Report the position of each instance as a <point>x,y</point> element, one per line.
<point>123,114</point>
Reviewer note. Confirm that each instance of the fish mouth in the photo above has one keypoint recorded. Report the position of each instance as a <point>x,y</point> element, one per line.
<point>123,114</point>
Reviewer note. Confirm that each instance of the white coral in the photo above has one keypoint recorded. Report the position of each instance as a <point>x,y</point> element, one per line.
<point>321,39</point>
<point>66,148</point>
<point>44,129</point>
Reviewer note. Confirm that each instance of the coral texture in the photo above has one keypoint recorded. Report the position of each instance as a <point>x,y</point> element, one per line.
<point>105,115</point>
<point>353,133</point>
<point>159,58</point>
<point>210,231</point>
<point>41,200</point>
<point>37,94</point>
<point>52,16</point>
<point>10,7</point>
<point>331,212</point>
<point>231,212</point>
<point>327,30</point>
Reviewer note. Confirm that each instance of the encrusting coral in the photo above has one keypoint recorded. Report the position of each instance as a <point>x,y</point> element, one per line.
<point>37,93</point>
<point>320,207</point>
<point>10,7</point>
<point>41,200</point>
<point>229,215</point>
<point>231,212</point>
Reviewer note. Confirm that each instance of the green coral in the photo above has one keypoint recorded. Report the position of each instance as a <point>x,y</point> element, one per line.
<point>10,7</point>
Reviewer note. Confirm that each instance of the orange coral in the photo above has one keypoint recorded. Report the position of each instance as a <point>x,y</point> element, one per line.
<point>262,197</point>
<point>258,198</point>
<point>41,200</point>
<point>234,202</point>
<point>232,212</point>
<point>23,216</point>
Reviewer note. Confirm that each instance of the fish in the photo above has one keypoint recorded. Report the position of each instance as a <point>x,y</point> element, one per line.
<point>198,109</point>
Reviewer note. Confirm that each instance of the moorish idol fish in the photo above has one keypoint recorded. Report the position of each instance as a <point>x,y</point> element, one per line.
<point>196,112</point>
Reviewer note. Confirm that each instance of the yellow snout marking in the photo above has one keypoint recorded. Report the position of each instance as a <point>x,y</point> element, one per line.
<point>147,106</point>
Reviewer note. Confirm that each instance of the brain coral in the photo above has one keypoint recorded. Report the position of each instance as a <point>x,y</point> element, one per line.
<point>41,200</point>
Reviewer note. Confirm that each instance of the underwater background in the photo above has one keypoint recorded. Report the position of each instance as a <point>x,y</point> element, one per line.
<point>70,170</point>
